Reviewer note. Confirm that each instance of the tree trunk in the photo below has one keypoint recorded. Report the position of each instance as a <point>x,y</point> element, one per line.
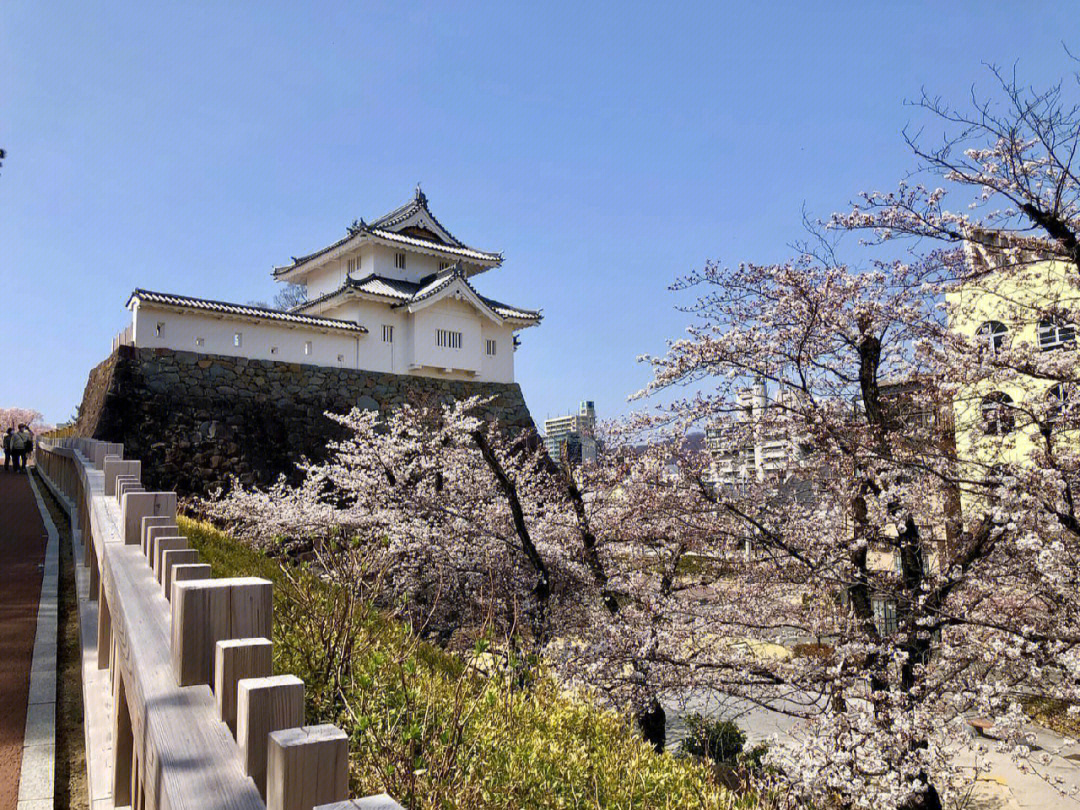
<point>925,800</point>
<point>652,721</point>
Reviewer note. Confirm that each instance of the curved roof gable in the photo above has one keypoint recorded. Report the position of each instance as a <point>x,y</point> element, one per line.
<point>412,225</point>
<point>407,293</point>
<point>415,219</point>
<point>450,282</point>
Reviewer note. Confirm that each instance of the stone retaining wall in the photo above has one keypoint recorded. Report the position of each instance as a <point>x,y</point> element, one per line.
<point>196,419</point>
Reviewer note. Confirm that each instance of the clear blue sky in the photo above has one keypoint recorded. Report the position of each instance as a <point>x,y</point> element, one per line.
<point>604,148</point>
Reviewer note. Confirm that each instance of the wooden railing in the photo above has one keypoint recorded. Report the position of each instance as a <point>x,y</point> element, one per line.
<point>195,718</point>
<point>125,337</point>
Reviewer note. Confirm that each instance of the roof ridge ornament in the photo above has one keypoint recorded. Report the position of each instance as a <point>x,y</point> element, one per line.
<point>420,197</point>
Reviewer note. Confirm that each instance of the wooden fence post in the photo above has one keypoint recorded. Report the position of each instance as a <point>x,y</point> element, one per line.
<point>114,467</point>
<point>154,521</point>
<point>205,611</point>
<point>306,767</point>
<point>172,557</point>
<point>163,544</point>
<point>236,659</point>
<point>264,705</point>
<point>134,506</point>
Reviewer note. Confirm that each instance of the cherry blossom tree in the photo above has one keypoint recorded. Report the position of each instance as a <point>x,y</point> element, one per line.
<point>13,417</point>
<point>943,581</point>
<point>881,585</point>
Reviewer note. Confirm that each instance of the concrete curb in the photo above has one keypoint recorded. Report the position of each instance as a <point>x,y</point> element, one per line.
<point>96,683</point>
<point>38,776</point>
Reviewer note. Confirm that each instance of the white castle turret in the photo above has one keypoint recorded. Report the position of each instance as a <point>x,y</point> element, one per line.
<point>394,296</point>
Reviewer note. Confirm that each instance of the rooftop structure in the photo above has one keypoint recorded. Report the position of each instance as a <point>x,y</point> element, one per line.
<point>393,296</point>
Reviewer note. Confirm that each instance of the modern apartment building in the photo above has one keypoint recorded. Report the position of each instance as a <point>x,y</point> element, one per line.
<point>750,448</point>
<point>574,434</point>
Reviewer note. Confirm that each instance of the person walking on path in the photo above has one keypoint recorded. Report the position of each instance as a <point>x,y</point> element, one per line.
<point>28,443</point>
<point>8,452</point>
<point>21,441</point>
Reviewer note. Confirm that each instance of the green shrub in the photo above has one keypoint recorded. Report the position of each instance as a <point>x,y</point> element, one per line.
<point>437,731</point>
<point>719,740</point>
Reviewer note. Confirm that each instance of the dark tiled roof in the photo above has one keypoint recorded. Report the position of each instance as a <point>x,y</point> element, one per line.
<point>187,302</point>
<point>402,213</point>
<point>383,228</point>
<point>409,292</point>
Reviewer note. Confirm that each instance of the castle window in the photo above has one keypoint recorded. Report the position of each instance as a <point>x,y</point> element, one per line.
<point>399,261</point>
<point>351,265</point>
<point>993,334</point>
<point>447,339</point>
<point>307,347</point>
<point>1056,334</point>
<point>200,342</point>
<point>341,358</point>
<point>998,417</point>
<point>491,348</point>
<point>444,265</point>
<point>387,333</point>
<point>159,330</point>
<point>273,350</point>
<point>238,339</point>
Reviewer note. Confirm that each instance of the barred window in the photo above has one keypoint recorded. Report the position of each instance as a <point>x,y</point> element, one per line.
<point>447,339</point>
<point>399,261</point>
<point>387,333</point>
<point>491,348</point>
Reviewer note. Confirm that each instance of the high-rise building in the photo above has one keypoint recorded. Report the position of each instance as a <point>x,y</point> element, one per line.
<point>574,434</point>
<point>748,449</point>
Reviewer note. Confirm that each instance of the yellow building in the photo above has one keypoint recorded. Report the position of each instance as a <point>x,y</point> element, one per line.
<point>1016,308</point>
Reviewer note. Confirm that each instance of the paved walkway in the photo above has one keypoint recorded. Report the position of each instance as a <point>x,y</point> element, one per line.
<point>22,556</point>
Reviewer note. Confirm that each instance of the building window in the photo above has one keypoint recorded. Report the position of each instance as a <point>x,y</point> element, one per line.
<point>399,261</point>
<point>387,333</point>
<point>884,615</point>
<point>1056,400</point>
<point>998,416</point>
<point>307,347</point>
<point>444,265</point>
<point>1055,334</point>
<point>448,339</point>
<point>352,265</point>
<point>159,330</point>
<point>993,334</point>
<point>200,342</point>
<point>273,350</point>
<point>238,339</point>
<point>491,348</point>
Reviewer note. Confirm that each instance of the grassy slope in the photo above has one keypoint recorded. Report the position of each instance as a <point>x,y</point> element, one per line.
<point>435,736</point>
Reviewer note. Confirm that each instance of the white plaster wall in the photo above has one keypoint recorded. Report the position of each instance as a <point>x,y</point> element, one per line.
<point>448,314</point>
<point>326,279</point>
<point>182,330</point>
<point>499,368</point>
<point>413,351</point>
<point>417,265</point>
<point>376,354</point>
